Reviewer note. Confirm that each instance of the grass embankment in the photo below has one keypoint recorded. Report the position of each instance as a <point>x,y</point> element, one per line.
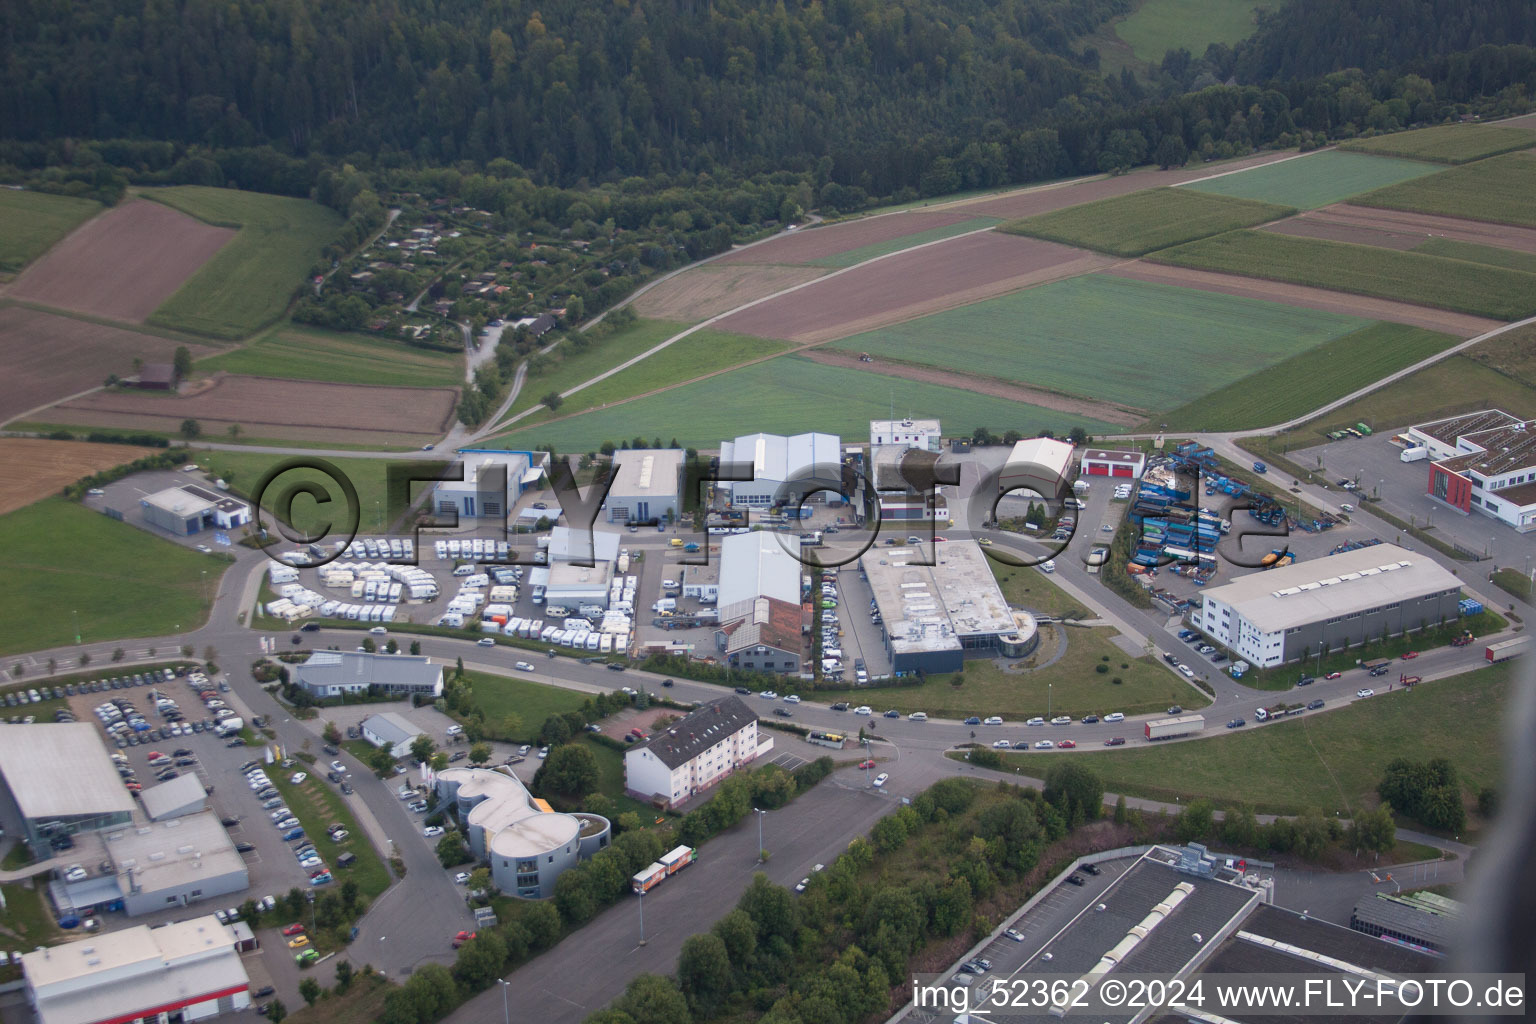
<point>1447,143</point>
<point>26,922</point>
<point>1363,270</point>
<point>1143,222</point>
<point>250,281</point>
<point>1032,589</point>
<point>1314,180</point>
<point>305,353</point>
<point>1158,26</point>
<point>1497,190</point>
<point>1308,380</point>
<point>1329,761</point>
<point>67,564</point>
<point>34,221</point>
<point>568,365</point>
<point>1513,581</point>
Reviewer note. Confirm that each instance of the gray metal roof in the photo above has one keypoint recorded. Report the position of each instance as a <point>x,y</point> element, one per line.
<point>646,471</point>
<point>58,770</point>
<point>354,668</point>
<point>390,727</point>
<point>182,795</point>
<point>690,736</point>
<point>757,565</point>
<point>1434,930</point>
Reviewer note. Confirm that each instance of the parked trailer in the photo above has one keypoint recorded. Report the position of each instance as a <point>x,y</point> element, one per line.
<point>648,879</point>
<point>677,859</point>
<point>1167,728</point>
<point>1414,454</point>
<point>1506,649</point>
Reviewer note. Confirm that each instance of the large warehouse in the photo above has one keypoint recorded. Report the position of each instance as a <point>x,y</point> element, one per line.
<point>174,863</point>
<point>527,845</point>
<point>647,485</point>
<point>493,480</point>
<point>754,565</point>
<point>1278,615</point>
<point>189,970</point>
<point>775,461</point>
<point>1483,462</point>
<point>1039,464</point>
<point>934,616</point>
<point>40,800</point>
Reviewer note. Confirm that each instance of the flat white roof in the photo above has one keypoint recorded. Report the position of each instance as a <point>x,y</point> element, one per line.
<point>645,471</point>
<point>166,854</point>
<point>1353,581</point>
<point>177,501</point>
<point>931,607</point>
<point>907,426</point>
<point>60,769</point>
<point>515,825</point>
<point>757,565</point>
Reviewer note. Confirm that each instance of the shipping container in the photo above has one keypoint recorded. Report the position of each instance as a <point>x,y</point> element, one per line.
<point>1182,725</point>
<point>649,878</point>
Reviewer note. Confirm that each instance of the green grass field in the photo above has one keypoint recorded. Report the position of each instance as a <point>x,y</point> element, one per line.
<point>783,395</point>
<point>1447,143</point>
<point>869,252</point>
<point>30,222</point>
<point>1158,26</point>
<point>531,701</point>
<point>1328,761</point>
<point>1143,222</point>
<point>1498,190</point>
<point>63,560</point>
<point>250,281</point>
<point>244,470</point>
<point>1308,380</point>
<point>565,367</point>
<point>1097,335</point>
<point>1364,270</point>
<point>1489,255</point>
<point>1314,180</point>
<point>305,353</point>
<point>1029,588</point>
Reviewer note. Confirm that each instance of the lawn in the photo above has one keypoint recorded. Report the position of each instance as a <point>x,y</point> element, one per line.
<point>64,562</point>
<point>566,367</point>
<point>1488,255</point>
<point>250,281</point>
<point>783,395</point>
<point>1143,222</point>
<point>1030,588</point>
<point>1314,180</point>
<point>1447,143</point>
<point>1328,761</point>
<point>317,805</point>
<point>610,782</point>
<point>1497,190</point>
<point>1070,686</point>
<point>499,696</point>
<point>1364,270</point>
<point>1158,26</point>
<point>869,252</point>
<point>243,471</point>
<point>26,923</point>
<point>33,221</point>
<point>1309,380</point>
<point>1100,336</point>
<point>306,353</point>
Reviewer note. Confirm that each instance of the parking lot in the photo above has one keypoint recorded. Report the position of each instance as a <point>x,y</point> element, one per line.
<point>123,496</point>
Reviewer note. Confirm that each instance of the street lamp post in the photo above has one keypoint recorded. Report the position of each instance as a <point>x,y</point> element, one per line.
<point>642,917</point>
<point>506,1014</point>
<point>1047,701</point>
<point>761,814</point>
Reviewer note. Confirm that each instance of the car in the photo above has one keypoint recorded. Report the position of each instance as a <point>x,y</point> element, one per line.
<point>1218,658</point>
<point>297,778</point>
<point>310,627</point>
<point>1067,745</point>
<point>793,698</point>
<point>230,822</point>
<point>1014,934</point>
<point>321,878</point>
<point>863,709</point>
<point>1001,745</point>
<point>484,641</point>
<point>800,885</point>
<point>1037,720</point>
<point>76,873</point>
<point>308,957</point>
<point>881,779</point>
<point>1306,680</point>
<point>1175,710</point>
<point>1365,692</point>
<point>973,720</point>
<point>286,823</point>
<point>993,720</point>
<point>1090,719</point>
<point>337,766</point>
<point>1315,704</point>
<point>462,878</point>
<point>339,835</point>
<point>294,929</point>
<point>298,942</point>
<point>1333,675</point>
<point>841,705</point>
<point>95,492</point>
<point>543,753</point>
<point>1118,741</point>
<point>244,847</point>
<point>462,937</point>
<point>743,690</point>
<point>346,788</point>
<point>769,695</point>
<point>783,712</point>
<point>1044,745</point>
<point>432,831</point>
<point>1410,655</point>
<point>1092,869</point>
<point>866,765</point>
<point>428,447</point>
<point>1236,723</point>
<point>1170,659</point>
<point>1062,720</point>
<point>972,967</point>
<point>524,666</point>
<point>1076,880</point>
<point>1186,671</point>
<point>523,750</point>
<point>457,755</point>
<point>612,666</point>
<point>263,992</point>
<point>893,713</point>
<point>309,863</point>
<point>417,806</point>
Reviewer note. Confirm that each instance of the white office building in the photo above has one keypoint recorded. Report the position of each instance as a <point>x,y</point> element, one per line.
<point>647,485</point>
<point>784,469</point>
<point>907,433</point>
<point>693,753</point>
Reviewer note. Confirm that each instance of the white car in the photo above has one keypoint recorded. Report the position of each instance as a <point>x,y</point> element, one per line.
<point>769,695</point>
<point>1035,721</point>
<point>378,631</point>
<point>462,878</point>
<point>1113,717</point>
<point>543,753</point>
<point>524,666</point>
<point>793,698</point>
<point>994,720</point>
<point>1014,934</point>
<point>522,751</point>
<point>1186,672</point>
<point>297,778</point>
<point>337,766</point>
<point>863,709</point>
<point>1062,720</point>
<point>432,831</point>
<point>1044,745</point>
<point>881,779</point>
<point>484,641</point>
<point>1367,692</point>
<point>76,873</point>
<point>1001,745</point>
<point>918,716</point>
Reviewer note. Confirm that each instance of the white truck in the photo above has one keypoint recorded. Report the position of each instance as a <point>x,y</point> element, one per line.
<point>1418,453</point>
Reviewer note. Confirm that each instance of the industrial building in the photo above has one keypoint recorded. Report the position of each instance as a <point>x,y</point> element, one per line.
<point>493,481</point>
<point>757,564</point>
<point>763,634</point>
<point>186,971</point>
<point>391,730</point>
<point>171,863</point>
<point>784,469</point>
<point>1483,462</point>
<point>1039,464</point>
<point>42,801</point>
<point>1422,921</point>
<point>693,753</point>
<point>934,616</point>
<point>702,582</point>
<point>907,433</point>
<point>1113,462</point>
<point>347,673</point>
<point>892,492</point>
<point>580,567</point>
<point>188,508</point>
<point>647,485</point>
<point>526,844</point>
<point>177,798</point>
<point>1274,616</point>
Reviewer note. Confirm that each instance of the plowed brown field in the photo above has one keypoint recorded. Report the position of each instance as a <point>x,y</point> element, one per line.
<point>35,468</point>
<point>713,288</point>
<point>122,264</point>
<point>1400,229</point>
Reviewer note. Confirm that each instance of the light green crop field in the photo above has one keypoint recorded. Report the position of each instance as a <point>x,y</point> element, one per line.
<point>64,561</point>
<point>1314,180</point>
<point>30,222</point>
<point>566,367</point>
<point>1098,335</point>
<point>1492,256</point>
<point>783,395</point>
<point>1142,222</point>
<point>869,252</point>
<point>1501,189</point>
<point>1364,270</point>
<point>1158,26</point>
<point>250,281</point>
<point>1308,380</point>
<point>305,353</point>
<point>1447,143</point>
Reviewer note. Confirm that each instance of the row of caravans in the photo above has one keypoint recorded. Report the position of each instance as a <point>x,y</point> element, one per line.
<point>380,581</point>
<point>382,547</point>
<point>621,594</point>
<point>472,548</point>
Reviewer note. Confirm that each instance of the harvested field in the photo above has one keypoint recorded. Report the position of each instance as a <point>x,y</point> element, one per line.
<point>1143,222</point>
<point>122,264</point>
<point>36,468</point>
<point>1459,324</point>
<point>1499,190</point>
<point>712,288</point>
<point>1448,143</point>
<point>909,285</point>
<point>34,221</point>
<point>264,407</point>
<point>1316,179</point>
<point>48,357</point>
<point>812,244</point>
<point>1401,229</point>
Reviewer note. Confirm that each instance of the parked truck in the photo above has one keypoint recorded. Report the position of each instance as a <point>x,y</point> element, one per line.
<point>1506,649</point>
<point>1180,725</point>
<point>1417,453</point>
<point>646,880</point>
<point>677,859</point>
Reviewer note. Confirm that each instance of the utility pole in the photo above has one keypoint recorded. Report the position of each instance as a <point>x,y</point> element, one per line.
<point>642,922</point>
<point>506,1014</point>
<point>761,814</point>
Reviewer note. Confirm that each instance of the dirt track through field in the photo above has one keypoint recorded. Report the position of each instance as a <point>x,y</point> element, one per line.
<point>1105,411</point>
<point>1400,229</point>
<point>1461,325</point>
<point>35,468</point>
<point>122,264</point>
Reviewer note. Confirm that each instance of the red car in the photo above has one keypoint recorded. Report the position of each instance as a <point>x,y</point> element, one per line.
<point>461,938</point>
<point>866,764</point>
<point>1410,655</point>
<point>1066,745</point>
<point>1333,675</point>
<point>294,929</point>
